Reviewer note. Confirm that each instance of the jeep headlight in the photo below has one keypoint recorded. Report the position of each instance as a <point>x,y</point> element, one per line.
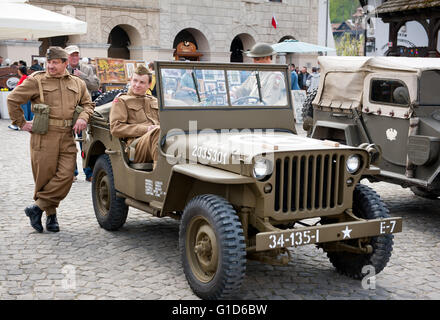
<point>353,164</point>
<point>262,169</point>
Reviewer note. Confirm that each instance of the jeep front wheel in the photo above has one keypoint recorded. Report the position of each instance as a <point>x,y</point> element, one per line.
<point>212,247</point>
<point>366,205</point>
<point>110,210</point>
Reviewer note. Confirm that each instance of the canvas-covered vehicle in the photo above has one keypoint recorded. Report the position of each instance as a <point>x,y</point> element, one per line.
<point>242,183</point>
<point>391,102</point>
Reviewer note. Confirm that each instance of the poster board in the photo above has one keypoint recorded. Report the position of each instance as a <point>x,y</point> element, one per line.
<point>111,70</point>
<point>298,98</point>
<point>115,73</point>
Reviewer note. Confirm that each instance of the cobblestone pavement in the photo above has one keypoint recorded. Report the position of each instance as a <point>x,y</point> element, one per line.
<point>141,261</point>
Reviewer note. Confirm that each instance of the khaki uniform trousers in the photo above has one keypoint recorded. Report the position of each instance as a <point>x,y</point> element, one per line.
<point>146,148</point>
<point>53,158</point>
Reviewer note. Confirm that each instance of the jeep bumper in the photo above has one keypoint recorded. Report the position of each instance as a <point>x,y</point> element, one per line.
<point>327,233</point>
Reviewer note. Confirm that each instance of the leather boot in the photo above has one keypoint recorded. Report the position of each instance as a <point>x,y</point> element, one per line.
<point>52,223</point>
<point>34,213</point>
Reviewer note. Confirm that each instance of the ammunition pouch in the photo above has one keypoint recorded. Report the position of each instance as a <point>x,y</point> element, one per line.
<point>40,123</point>
<point>78,110</point>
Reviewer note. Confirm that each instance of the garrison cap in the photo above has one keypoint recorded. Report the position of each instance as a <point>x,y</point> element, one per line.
<point>142,70</point>
<point>260,50</point>
<point>56,53</point>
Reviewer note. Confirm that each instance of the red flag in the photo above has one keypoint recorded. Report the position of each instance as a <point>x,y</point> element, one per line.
<point>274,22</point>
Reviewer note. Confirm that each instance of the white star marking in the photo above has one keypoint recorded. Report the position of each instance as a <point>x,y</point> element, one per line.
<point>347,232</point>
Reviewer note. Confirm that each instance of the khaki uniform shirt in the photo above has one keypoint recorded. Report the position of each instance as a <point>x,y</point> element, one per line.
<point>62,94</point>
<point>131,115</point>
<point>88,75</point>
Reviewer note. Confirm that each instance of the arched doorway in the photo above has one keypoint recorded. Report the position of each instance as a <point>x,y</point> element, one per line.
<point>195,41</point>
<point>125,40</point>
<point>287,38</point>
<point>240,44</point>
<point>60,41</point>
<point>119,42</point>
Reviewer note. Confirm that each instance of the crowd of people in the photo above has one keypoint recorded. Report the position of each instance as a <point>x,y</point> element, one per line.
<point>303,80</point>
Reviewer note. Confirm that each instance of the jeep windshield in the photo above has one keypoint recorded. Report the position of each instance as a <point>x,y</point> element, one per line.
<point>211,87</point>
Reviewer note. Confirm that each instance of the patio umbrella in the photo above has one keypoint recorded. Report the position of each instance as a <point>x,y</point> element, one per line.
<point>295,46</point>
<point>19,20</point>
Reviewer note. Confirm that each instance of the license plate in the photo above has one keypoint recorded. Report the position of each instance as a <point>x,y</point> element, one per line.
<point>327,233</point>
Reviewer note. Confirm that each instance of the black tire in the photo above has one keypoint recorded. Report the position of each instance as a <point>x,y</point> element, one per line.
<point>367,205</point>
<point>110,210</point>
<point>210,223</point>
<point>421,192</point>
<point>108,96</point>
<point>307,112</point>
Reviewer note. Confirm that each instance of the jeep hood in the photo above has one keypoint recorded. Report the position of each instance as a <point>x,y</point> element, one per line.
<point>219,148</point>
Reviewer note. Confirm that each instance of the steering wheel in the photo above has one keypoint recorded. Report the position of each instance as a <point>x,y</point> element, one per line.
<point>247,100</point>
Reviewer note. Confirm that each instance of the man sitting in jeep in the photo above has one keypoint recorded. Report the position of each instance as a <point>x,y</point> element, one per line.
<point>134,116</point>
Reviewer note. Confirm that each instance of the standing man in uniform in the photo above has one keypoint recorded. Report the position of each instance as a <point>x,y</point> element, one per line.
<point>272,83</point>
<point>53,154</point>
<point>134,116</point>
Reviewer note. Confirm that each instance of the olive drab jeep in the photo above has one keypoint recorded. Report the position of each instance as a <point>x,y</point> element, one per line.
<point>391,104</point>
<point>242,183</point>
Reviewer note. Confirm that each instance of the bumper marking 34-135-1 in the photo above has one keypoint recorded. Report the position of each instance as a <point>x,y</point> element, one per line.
<point>327,233</point>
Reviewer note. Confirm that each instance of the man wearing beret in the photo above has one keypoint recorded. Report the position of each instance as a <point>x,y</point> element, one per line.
<point>53,154</point>
<point>134,116</point>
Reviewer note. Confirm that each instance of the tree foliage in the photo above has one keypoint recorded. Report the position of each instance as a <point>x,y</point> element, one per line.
<point>350,46</point>
<point>342,10</point>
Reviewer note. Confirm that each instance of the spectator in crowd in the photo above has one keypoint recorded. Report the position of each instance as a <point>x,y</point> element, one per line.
<point>313,81</point>
<point>28,115</point>
<point>152,89</point>
<point>36,66</point>
<point>302,78</point>
<point>22,63</point>
<point>293,78</point>
<point>1,61</point>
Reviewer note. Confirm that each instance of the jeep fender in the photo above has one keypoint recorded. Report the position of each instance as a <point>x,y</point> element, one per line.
<point>190,180</point>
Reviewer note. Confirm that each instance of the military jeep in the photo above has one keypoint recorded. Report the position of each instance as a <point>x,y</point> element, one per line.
<point>391,102</point>
<point>242,183</point>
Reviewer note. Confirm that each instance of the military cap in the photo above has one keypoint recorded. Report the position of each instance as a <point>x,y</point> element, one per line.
<point>56,53</point>
<point>260,50</point>
<point>142,70</point>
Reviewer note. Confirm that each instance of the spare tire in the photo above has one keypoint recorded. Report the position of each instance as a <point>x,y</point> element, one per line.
<point>108,96</point>
<point>307,111</point>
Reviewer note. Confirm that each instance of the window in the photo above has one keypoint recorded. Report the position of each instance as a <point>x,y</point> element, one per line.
<point>389,92</point>
<point>188,87</point>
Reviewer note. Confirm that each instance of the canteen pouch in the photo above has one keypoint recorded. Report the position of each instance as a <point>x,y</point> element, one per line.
<point>78,110</point>
<point>40,124</point>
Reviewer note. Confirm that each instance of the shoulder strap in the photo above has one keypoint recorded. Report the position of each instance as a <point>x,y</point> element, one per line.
<point>40,88</point>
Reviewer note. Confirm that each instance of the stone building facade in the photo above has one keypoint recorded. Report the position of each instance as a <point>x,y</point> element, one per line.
<point>150,29</point>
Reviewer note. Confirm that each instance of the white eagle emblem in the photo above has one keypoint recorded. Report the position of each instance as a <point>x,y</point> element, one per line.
<point>391,134</point>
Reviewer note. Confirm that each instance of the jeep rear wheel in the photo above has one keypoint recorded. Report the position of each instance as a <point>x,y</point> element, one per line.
<point>366,205</point>
<point>110,210</point>
<point>212,247</point>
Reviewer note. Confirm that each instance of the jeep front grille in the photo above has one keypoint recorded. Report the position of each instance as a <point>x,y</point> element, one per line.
<point>309,182</point>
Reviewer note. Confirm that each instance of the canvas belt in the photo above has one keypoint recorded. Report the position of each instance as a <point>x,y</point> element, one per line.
<point>60,123</point>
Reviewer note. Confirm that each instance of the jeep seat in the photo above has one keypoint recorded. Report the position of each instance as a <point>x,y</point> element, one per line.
<point>147,166</point>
